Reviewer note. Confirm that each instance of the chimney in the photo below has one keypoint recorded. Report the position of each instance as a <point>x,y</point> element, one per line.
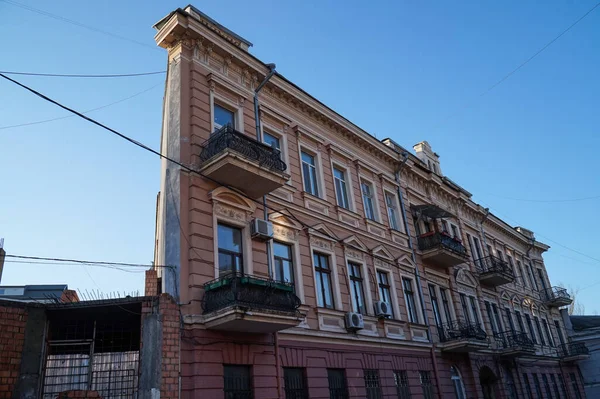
<point>428,157</point>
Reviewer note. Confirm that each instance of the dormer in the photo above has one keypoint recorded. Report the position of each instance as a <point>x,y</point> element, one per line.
<point>430,158</point>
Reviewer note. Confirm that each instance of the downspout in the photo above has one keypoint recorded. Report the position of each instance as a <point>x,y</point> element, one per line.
<point>266,218</point>
<point>417,274</point>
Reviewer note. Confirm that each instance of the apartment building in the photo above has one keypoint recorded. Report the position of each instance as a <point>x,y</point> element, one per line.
<point>314,261</point>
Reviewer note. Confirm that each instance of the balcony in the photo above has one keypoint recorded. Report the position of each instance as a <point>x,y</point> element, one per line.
<point>244,303</point>
<point>236,160</point>
<point>442,250</point>
<point>462,336</point>
<point>556,297</point>
<point>573,352</point>
<point>514,344</point>
<point>494,271</point>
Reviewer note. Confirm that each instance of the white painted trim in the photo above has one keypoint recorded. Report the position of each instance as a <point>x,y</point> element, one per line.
<point>334,275</point>
<point>272,130</point>
<point>376,207</point>
<point>399,222</point>
<point>238,111</point>
<point>365,285</point>
<point>349,186</point>
<point>303,147</point>
<point>393,291</point>
<point>298,280</point>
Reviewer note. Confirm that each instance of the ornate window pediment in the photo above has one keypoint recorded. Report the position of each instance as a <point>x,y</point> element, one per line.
<point>355,242</point>
<point>381,252</point>
<point>225,196</point>
<point>322,231</point>
<point>405,261</point>
<point>465,277</point>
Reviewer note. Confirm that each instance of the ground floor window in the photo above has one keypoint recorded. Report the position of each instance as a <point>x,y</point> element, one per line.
<point>238,382</point>
<point>372,384</point>
<point>575,386</point>
<point>294,380</point>
<point>459,388</point>
<point>402,387</point>
<point>426,385</point>
<point>338,387</point>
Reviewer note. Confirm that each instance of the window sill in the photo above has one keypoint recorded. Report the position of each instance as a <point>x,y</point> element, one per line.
<point>315,203</point>
<point>347,216</point>
<point>376,228</point>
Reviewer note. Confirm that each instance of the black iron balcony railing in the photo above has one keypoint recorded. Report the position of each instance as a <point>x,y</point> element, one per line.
<point>461,329</point>
<point>573,349</point>
<point>513,340</point>
<point>556,294</point>
<point>492,264</point>
<point>229,138</point>
<point>249,292</point>
<point>441,241</point>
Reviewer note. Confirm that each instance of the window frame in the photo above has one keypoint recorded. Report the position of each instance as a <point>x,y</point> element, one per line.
<point>248,368</point>
<point>348,185</point>
<point>298,276</point>
<point>459,390</point>
<point>396,208</point>
<point>354,282</point>
<point>344,393</point>
<point>371,376</point>
<point>373,197</point>
<point>224,102</point>
<point>319,270</point>
<point>409,310</point>
<point>396,315</point>
<point>291,260</point>
<point>402,384</point>
<point>266,128</point>
<point>296,392</point>
<point>337,296</point>
<point>246,244</point>
<point>316,185</point>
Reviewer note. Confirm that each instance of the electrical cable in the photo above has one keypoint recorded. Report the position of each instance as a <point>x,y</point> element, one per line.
<point>58,75</point>
<point>83,112</point>
<point>89,262</point>
<point>76,23</point>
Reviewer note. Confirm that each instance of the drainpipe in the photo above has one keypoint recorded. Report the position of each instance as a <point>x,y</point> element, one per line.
<point>417,273</point>
<point>258,138</point>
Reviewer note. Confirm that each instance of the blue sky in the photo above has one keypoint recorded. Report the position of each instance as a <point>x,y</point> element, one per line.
<point>411,71</point>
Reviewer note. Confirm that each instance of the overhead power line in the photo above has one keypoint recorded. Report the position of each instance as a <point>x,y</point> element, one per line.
<point>77,23</point>
<point>84,112</point>
<point>86,262</point>
<point>66,75</point>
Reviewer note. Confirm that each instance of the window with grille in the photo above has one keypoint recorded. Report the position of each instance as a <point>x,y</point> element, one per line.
<point>426,385</point>
<point>294,380</point>
<point>338,388</point>
<point>238,382</point>
<point>372,384</point>
<point>401,381</point>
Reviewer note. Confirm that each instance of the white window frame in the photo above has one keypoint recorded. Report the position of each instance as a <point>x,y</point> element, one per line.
<point>318,166</point>
<point>399,215</point>
<point>298,280</point>
<point>365,285</point>
<point>248,264</point>
<point>238,112</point>
<point>349,185</point>
<point>393,291</point>
<point>268,129</point>
<point>335,281</point>
<point>374,198</point>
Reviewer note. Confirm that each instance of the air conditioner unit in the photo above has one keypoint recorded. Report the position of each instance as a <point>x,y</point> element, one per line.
<point>383,309</point>
<point>354,321</point>
<point>262,229</point>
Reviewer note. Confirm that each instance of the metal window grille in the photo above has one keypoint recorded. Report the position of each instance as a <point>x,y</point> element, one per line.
<point>372,384</point>
<point>402,387</point>
<point>338,388</point>
<point>238,383</point>
<point>92,353</point>
<point>295,383</point>
<point>426,384</point>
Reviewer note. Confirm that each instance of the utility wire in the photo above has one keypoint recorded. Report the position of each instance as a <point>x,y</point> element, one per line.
<point>88,262</point>
<point>84,112</point>
<point>66,75</point>
<point>76,23</point>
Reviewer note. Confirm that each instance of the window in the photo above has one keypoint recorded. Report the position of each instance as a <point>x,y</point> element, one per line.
<point>522,272</point>
<point>324,286</point>
<point>272,141</point>
<point>445,305</point>
<point>294,381</point>
<point>542,280</point>
<point>309,173</point>
<point>538,327</point>
<point>426,385</point>
<point>575,386</point>
<point>356,283</point>
<point>459,388</point>
<point>444,226</point>
<point>372,384</point>
<point>527,386</point>
<point>238,383</point>
<point>497,317</point>
<point>531,277</point>
<point>563,387</point>
<point>511,387</point>
<point>341,190</point>
<point>520,321</point>
<point>402,387</point>
<point>511,264</point>
<point>530,327</point>
<point>338,388</point>
<point>368,200</point>
<point>435,305</point>
<point>463,303</point>
<point>230,249</point>
<point>555,387</point>
<point>561,337</point>
<point>511,323</point>
<point>284,265</point>
<point>488,309</point>
<point>474,308</point>
<point>222,116</point>
<point>410,300</point>
<point>547,386</point>
<point>536,384</point>
<point>455,232</point>
<point>384,289</point>
<point>392,208</point>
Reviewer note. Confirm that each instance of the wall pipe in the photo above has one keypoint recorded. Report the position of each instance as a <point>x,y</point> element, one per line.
<point>417,273</point>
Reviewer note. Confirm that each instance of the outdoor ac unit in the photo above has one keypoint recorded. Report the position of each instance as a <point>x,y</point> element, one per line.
<point>262,229</point>
<point>383,309</point>
<point>354,321</point>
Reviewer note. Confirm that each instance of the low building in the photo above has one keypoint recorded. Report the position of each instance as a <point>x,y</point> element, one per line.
<point>584,334</point>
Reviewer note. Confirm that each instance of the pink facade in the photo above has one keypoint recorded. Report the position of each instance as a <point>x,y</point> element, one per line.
<point>357,222</point>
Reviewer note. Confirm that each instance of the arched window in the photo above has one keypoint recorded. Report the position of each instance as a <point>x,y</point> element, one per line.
<point>459,388</point>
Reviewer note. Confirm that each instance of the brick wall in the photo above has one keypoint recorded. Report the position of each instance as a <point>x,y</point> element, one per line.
<point>12,338</point>
<point>151,283</point>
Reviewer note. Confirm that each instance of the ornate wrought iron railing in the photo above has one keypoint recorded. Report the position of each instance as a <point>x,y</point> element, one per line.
<point>492,264</point>
<point>556,293</point>
<point>249,292</point>
<point>439,240</point>
<point>229,138</point>
<point>573,349</point>
<point>461,329</point>
<point>514,340</point>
